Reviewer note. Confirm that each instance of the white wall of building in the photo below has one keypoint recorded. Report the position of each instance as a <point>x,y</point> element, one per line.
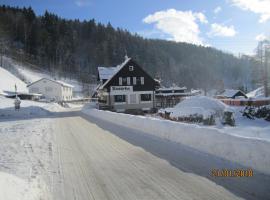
<point>51,90</point>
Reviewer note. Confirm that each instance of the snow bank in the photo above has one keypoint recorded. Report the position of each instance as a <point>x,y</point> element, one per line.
<point>14,188</point>
<point>8,81</point>
<point>199,105</point>
<point>28,108</point>
<point>248,152</point>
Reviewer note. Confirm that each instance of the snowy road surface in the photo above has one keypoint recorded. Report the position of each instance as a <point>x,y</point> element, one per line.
<point>82,158</point>
<point>96,164</point>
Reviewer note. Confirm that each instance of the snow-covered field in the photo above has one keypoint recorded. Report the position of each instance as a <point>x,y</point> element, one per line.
<point>248,151</point>
<point>205,106</point>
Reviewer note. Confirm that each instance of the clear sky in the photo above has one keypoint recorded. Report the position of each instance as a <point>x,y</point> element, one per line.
<point>230,25</point>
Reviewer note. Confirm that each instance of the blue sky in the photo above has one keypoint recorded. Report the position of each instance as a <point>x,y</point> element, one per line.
<point>230,25</point>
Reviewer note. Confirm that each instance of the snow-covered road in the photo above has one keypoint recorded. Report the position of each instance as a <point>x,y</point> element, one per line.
<point>79,157</point>
<point>96,164</point>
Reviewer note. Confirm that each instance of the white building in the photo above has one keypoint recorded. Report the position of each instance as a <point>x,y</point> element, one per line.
<point>52,89</point>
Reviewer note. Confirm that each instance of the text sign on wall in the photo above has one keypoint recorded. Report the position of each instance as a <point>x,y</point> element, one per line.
<point>121,89</point>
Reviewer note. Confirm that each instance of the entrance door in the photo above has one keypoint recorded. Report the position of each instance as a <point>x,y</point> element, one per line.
<point>132,99</point>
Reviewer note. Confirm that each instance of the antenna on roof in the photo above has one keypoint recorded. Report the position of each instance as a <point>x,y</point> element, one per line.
<point>126,56</point>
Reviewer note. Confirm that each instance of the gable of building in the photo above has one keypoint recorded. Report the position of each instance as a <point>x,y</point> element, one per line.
<point>131,70</point>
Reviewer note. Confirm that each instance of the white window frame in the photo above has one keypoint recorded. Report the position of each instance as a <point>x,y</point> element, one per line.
<point>131,68</point>
<point>120,81</point>
<point>142,80</point>
<point>128,80</point>
<point>134,80</point>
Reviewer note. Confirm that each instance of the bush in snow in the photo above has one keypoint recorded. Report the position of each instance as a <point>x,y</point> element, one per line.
<point>260,112</point>
<point>228,118</point>
<point>209,121</point>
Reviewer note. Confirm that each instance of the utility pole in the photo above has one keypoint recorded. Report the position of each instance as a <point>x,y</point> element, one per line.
<point>266,54</point>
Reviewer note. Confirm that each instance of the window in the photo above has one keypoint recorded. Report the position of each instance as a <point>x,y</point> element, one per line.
<point>128,80</point>
<point>134,81</point>
<point>142,80</point>
<point>145,97</point>
<point>120,81</point>
<point>131,68</point>
<point>48,89</point>
<point>124,80</point>
<point>35,90</point>
<point>138,80</point>
<point>119,98</point>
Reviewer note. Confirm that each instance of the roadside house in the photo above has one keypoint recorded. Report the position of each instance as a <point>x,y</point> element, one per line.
<point>51,89</point>
<point>231,94</point>
<point>125,87</point>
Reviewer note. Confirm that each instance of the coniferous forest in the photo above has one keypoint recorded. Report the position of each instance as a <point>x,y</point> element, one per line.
<point>79,47</point>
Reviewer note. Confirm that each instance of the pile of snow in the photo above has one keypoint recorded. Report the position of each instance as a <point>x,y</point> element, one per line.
<point>259,92</point>
<point>198,105</point>
<point>8,81</point>
<point>28,108</point>
<point>248,152</point>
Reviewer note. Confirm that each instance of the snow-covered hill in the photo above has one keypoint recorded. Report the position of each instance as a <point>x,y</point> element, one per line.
<point>8,81</point>
<point>29,75</point>
<point>259,92</point>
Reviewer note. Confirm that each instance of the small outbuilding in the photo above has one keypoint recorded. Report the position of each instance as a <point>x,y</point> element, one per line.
<point>52,90</point>
<point>169,97</point>
<point>232,94</point>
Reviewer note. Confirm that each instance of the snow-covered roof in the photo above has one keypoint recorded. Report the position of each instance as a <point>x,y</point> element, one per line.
<point>201,105</point>
<point>106,72</point>
<point>56,81</point>
<point>229,93</point>
<point>65,84</point>
<point>175,94</point>
<point>171,88</point>
<point>259,92</point>
<point>118,68</point>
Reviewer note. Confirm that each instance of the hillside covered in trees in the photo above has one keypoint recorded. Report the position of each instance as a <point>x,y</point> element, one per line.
<point>79,47</point>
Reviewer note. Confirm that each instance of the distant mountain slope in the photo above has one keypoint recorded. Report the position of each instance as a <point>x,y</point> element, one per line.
<point>8,81</point>
<point>79,47</point>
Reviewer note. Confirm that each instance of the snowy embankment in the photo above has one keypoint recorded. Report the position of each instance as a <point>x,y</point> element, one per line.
<point>252,153</point>
<point>28,108</point>
<point>8,81</point>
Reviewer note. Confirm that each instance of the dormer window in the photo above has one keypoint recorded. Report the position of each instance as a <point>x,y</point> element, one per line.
<point>131,68</point>
<point>120,81</point>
